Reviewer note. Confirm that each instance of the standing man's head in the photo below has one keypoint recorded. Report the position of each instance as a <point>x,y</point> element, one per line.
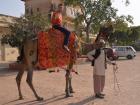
<point>60,7</point>
<point>100,43</point>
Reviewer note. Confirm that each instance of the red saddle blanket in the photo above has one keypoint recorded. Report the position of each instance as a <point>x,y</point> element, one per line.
<point>50,49</point>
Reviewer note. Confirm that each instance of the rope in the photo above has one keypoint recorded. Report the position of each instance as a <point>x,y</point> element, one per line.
<point>115,70</point>
<point>64,68</point>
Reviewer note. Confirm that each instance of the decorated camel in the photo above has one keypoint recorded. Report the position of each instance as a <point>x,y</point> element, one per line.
<point>44,52</point>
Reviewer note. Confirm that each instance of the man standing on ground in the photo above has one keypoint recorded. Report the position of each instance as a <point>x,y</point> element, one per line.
<point>98,58</point>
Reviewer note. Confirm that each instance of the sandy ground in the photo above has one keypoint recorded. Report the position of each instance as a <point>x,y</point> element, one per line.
<point>51,86</point>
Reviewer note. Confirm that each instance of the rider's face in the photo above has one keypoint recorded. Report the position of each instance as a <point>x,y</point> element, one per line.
<point>60,8</point>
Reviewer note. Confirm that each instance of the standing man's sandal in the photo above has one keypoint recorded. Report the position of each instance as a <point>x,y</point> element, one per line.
<point>102,94</point>
<point>99,96</point>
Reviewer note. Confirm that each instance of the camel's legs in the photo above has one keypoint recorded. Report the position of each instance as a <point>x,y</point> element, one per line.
<point>18,80</point>
<point>29,81</point>
<point>70,84</point>
<point>67,90</point>
<point>70,78</point>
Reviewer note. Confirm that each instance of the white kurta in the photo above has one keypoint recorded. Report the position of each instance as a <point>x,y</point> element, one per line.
<point>99,64</point>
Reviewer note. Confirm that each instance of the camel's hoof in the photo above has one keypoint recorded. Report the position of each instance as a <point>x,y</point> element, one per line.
<point>40,99</point>
<point>71,91</point>
<point>20,98</point>
<point>68,95</point>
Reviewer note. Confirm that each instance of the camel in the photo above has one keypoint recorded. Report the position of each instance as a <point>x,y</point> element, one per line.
<point>29,60</point>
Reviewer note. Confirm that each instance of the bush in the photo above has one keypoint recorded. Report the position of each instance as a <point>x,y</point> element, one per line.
<point>137,47</point>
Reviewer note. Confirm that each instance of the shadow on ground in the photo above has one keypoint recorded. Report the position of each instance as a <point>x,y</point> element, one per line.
<point>85,101</point>
<point>35,102</point>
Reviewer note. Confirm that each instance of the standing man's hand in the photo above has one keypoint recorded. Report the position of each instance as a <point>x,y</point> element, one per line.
<point>91,59</point>
<point>113,63</point>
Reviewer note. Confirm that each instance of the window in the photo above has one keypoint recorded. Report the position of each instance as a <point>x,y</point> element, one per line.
<point>31,11</point>
<point>121,49</point>
<point>52,7</point>
<point>129,49</point>
<point>38,10</point>
<point>71,11</point>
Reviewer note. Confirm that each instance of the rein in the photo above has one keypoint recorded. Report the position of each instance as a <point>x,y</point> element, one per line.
<point>116,82</point>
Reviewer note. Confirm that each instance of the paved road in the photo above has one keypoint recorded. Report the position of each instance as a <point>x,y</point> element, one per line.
<point>52,85</point>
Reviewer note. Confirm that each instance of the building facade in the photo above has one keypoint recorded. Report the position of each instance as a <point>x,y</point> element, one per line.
<point>6,52</point>
<point>46,6</point>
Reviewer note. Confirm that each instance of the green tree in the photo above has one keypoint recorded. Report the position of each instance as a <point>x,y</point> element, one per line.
<point>93,13</point>
<point>25,27</point>
<point>125,37</point>
<point>121,38</point>
<point>133,35</point>
<point>121,22</point>
<point>121,28</point>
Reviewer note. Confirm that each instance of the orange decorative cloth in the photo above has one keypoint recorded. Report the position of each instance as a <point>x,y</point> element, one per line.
<point>50,49</point>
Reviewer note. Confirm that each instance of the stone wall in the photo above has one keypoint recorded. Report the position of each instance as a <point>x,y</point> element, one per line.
<point>4,22</point>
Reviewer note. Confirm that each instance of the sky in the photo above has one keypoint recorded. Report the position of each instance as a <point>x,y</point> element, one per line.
<point>12,7</point>
<point>16,8</point>
<point>132,9</point>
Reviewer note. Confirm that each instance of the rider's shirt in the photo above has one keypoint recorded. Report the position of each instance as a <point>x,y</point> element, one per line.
<point>56,18</point>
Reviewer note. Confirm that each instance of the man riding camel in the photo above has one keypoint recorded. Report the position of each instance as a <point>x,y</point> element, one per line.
<point>56,21</point>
